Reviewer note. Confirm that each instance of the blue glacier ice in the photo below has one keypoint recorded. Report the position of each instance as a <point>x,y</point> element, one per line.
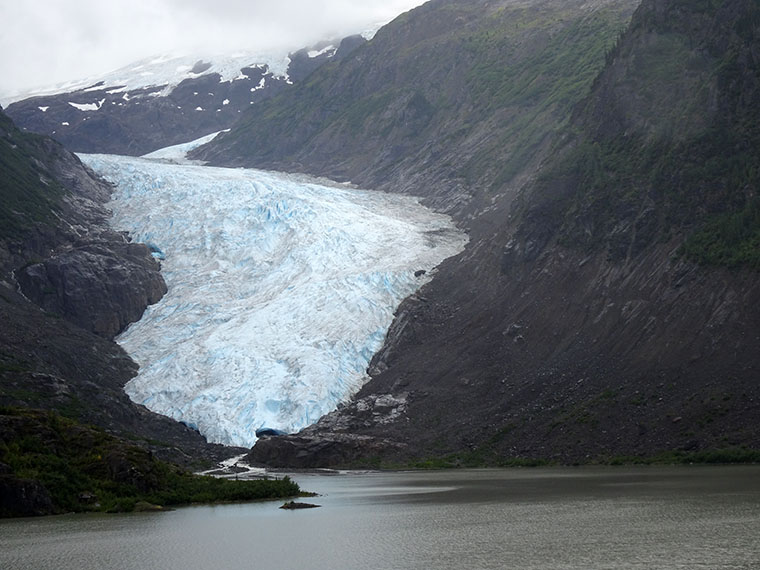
<point>280,289</point>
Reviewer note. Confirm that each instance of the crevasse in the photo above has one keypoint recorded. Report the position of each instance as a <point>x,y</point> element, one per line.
<point>280,289</point>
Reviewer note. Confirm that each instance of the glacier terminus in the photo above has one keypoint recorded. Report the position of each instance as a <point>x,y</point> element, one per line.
<point>281,289</point>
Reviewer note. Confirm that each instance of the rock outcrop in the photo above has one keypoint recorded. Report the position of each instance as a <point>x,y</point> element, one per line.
<point>101,287</point>
<point>69,261</point>
<point>305,451</point>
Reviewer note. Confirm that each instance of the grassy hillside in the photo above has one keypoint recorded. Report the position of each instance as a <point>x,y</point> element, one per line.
<point>73,468</point>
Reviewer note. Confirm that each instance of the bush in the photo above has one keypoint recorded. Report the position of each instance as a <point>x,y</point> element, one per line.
<point>85,469</point>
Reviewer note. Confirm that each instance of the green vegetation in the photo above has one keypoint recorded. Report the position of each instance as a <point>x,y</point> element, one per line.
<point>534,68</point>
<point>12,363</point>
<point>487,457</point>
<point>734,455</point>
<point>668,149</point>
<point>85,469</point>
<point>631,193</point>
<point>356,114</point>
<point>731,239</point>
<point>479,458</point>
<point>27,195</point>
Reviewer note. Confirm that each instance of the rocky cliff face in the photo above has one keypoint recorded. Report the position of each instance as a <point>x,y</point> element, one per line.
<point>99,286</point>
<point>68,284</point>
<point>69,262</point>
<point>591,318</point>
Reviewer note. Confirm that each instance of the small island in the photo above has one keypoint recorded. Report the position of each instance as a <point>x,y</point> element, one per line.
<point>294,506</point>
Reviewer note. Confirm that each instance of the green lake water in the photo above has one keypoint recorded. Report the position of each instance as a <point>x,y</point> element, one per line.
<point>563,518</point>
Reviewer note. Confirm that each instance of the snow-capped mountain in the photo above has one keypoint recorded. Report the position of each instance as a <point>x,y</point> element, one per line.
<point>165,71</point>
<point>281,289</point>
<point>165,100</point>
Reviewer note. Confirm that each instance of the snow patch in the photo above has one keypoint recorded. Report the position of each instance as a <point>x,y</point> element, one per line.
<point>161,59</point>
<point>177,153</point>
<point>44,109</point>
<point>169,70</point>
<point>316,53</point>
<point>261,85</point>
<point>88,106</point>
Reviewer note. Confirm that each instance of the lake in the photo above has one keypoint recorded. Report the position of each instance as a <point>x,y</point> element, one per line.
<point>554,518</point>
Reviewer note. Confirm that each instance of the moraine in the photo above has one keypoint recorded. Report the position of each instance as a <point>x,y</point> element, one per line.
<point>280,289</point>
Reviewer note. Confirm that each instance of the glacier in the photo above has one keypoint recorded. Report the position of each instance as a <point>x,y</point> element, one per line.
<point>281,289</point>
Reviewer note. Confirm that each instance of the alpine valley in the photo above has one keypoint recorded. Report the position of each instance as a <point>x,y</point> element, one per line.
<point>601,157</point>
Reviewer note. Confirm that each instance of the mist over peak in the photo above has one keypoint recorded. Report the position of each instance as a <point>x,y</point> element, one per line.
<point>50,42</point>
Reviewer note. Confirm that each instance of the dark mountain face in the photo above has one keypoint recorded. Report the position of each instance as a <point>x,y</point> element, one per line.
<point>68,284</point>
<point>56,246</point>
<point>611,309</point>
<point>450,101</point>
<point>119,120</point>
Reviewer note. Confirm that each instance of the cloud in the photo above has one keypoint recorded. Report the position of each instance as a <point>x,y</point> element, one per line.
<point>48,41</point>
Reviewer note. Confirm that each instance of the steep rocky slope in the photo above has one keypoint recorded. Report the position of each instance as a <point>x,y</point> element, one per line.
<point>612,308</point>
<point>56,244</point>
<point>68,284</point>
<point>450,101</point>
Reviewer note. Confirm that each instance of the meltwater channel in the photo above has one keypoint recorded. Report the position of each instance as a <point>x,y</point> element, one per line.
<point>281,289</point>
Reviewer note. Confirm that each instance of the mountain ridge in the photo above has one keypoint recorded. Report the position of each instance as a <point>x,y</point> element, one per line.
<point>159,102</point>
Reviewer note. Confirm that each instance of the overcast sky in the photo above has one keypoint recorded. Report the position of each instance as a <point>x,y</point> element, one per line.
<point>50,41</point>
